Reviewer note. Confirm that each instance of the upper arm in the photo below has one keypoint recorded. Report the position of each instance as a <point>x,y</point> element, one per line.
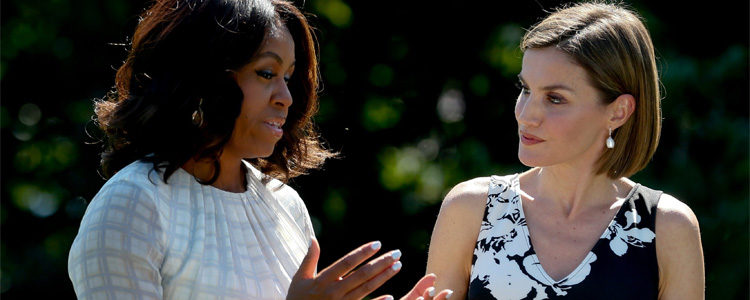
<point>455,234</point>
<point>118,250</point>
<point>679,251</point>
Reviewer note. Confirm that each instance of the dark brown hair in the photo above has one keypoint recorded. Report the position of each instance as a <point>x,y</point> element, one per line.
<point>182,51</point>
<point>611,43</point>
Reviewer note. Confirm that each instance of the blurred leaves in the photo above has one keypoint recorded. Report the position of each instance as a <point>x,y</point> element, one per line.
<point>336,11</point>
<point>416,97</point>
<point>381,113</point>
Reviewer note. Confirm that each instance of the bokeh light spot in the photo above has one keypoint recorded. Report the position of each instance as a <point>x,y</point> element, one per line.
<point>451,106</point>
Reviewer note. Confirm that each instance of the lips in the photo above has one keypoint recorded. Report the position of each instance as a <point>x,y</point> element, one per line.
<point>529,139</point>
<point>275,125</point>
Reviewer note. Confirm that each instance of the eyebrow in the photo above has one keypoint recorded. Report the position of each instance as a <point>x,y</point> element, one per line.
<point>551,87</point>
<point>273,55</point>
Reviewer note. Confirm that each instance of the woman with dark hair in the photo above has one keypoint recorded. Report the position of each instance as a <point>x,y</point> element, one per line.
<point>574,226</point>
<point>210,117</point>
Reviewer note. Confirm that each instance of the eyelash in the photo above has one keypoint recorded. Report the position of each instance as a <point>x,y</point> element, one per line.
<point>552,99</point>
<point>269,75</point>
<point>523,88</point>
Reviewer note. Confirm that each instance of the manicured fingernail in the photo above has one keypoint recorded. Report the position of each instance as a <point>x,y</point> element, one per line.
<point>420,298</point>
<point>376,245</point>
<point>396,254</point>
<point>396,266</point>
<point>388,297</point>
<point>450,293</point>
<point>431,291</point>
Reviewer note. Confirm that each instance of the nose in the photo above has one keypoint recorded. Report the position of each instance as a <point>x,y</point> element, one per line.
<point>281,97</point>
<point>528,111</point>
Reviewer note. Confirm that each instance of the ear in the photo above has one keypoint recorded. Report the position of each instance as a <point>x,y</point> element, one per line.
<point>620,110</point>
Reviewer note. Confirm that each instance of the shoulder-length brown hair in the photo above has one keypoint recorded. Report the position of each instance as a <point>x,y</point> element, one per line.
<point>181,54</point>
<point>613,46</point>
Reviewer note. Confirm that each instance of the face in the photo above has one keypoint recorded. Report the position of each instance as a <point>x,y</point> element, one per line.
<point>561,119</point>
<point>266,100</point>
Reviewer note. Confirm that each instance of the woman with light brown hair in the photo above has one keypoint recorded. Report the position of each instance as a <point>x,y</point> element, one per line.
<point>574,226</point>
<point>212,114</point>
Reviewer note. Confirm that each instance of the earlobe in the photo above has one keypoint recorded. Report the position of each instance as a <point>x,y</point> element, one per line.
<point>621,109</point>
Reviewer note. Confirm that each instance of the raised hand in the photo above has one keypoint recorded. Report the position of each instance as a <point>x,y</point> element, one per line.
<point>336,281</point>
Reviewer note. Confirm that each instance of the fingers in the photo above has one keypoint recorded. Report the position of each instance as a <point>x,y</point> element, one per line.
<point>431,294</point>
<point>375,282</point>
<point>444,294</point>
<point>371,269</point>
<point>310,262</point>
<point>348,262</point>
<point>428,293</point>
<point>386,297</point>
<point>422,285</point>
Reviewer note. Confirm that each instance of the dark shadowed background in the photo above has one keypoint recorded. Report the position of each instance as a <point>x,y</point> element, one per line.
<point>418,96</point>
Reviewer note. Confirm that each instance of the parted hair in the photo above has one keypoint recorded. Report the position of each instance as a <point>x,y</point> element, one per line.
<point>182,54</point>
<point>612,44</point>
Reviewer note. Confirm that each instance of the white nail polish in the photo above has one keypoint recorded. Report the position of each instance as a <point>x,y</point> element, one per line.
<point>388,297</point>
<point>431,291</point>
<point>396,266</point>
<point>375,245</point>
<point>396,254</point>
<point>450,293</point>
<point>420,298</point>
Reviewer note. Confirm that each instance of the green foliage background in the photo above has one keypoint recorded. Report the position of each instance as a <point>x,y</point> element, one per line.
<point>418,96</point>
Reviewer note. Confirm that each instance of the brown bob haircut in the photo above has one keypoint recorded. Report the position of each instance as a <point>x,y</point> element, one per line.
<point>613,46</point>
<point>182,54</point>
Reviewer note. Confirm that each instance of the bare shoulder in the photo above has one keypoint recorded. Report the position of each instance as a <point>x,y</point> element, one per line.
<point>675,217</point>
<point>455,234</point>
<point>679,251</point>
<point>467,196</point>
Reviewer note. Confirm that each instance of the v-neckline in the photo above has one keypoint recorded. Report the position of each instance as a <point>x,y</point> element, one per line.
<point>516,186</point>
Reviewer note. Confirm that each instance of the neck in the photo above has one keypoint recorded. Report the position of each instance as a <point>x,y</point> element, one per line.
<point>231,172</point>
<point>572,190</point>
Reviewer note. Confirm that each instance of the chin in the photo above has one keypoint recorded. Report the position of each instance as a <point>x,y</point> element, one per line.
<point>266,153</point>
<point>263,152</point>
<point>531,160</point>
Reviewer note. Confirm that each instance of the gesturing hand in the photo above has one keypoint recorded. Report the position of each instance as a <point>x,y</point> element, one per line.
<point>335,281</point>
<point>424,290</point>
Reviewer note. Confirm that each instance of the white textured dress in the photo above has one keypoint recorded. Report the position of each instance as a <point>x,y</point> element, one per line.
<point>143,239</point>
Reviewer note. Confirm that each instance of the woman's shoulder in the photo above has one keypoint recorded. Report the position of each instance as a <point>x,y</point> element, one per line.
<point>139,173</point>
<point>275,186</point>
<point>137,182</point>
<point>284,193</point>
<point>674,216</point>
<point>472,192</point>
<point>471,195</point>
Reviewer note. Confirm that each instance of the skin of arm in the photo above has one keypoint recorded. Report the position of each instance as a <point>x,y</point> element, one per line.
<point>455,234</point>
<point>679,251</point>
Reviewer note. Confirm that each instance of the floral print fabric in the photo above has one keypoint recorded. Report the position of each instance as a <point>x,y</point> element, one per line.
<point>505,266</point>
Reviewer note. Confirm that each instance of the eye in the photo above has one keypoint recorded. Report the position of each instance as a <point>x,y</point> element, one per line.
<point>523,88</point>
<point>286,78</point>
<point>554,99</point>
<point>265,74</point>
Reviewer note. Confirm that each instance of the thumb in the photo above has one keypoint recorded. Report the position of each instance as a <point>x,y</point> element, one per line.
<point>310,262</point>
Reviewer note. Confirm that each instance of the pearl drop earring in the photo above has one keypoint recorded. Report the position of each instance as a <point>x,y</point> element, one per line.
<point>610,140</point>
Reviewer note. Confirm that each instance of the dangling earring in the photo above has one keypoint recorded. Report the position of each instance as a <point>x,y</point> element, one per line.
<point>198,114</point>
<point>610,140</point>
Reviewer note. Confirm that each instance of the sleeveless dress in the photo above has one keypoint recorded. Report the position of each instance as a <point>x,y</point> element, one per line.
<point>621,265</point>
<point>141,238</point>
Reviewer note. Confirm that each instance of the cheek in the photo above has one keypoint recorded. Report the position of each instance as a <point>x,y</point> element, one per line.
<point>574,128</point>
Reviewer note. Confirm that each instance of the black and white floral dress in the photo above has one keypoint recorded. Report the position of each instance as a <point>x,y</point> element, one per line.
<point>621,265</point>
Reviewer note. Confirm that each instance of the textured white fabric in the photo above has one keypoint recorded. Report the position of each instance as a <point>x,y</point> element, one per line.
<point>143,239</point>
